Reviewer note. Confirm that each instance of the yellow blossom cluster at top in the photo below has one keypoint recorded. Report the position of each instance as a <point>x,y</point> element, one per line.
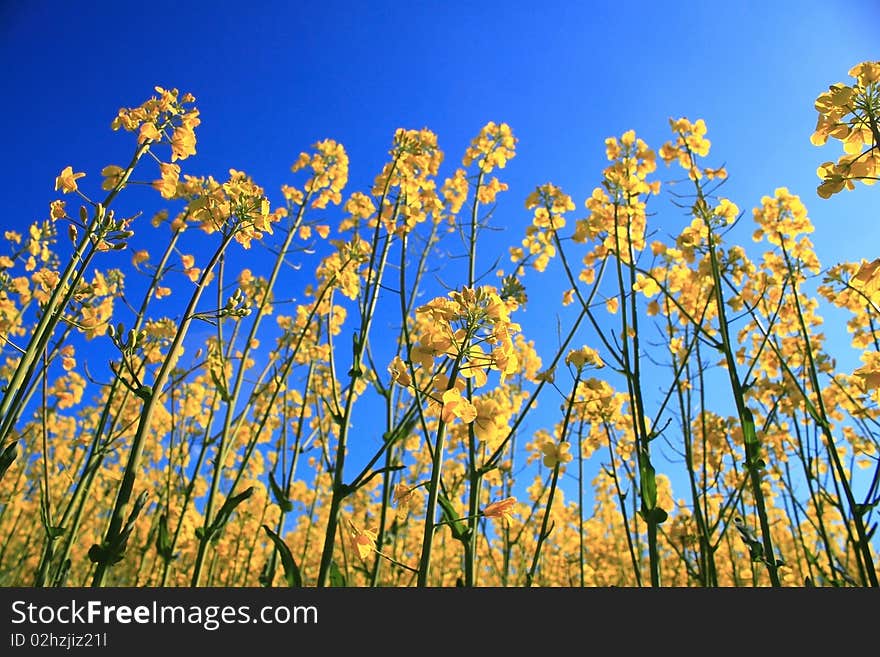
<point>493,147</point>
<point>406,186</point>
<point>850,114</point>
<point>329,165</point>
<point>549,203</point>
<point>159,116</point>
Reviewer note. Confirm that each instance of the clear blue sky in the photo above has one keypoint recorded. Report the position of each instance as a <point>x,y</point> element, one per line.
<point>271,78</point>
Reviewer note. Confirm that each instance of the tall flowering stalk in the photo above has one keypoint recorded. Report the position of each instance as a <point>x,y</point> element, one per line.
<point>238,211</point>
<point>233,463</point>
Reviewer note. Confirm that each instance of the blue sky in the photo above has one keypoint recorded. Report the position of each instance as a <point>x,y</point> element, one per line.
<point>272,78</point>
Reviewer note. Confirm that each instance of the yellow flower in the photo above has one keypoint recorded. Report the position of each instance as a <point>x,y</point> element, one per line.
<point>66,181</point>
<point>112,176</point>
<point>403,499</point>
<point>866,72</point>
<point>555,454</point>
<point>364,542</point>
<point>848,113</point>
<point>493,147</point>
<point>645,285</point>
<point>399,372</point>
<point>547,376</point>
<point>56,210</point>
<point>149,131</point>
<point>501,509</point>
<point>167,183</point>
<point>68,362</point>
<point>183,143</point>
<point>455,191</point>
<point>869,373</point>
<point>140,256</point>
<point>192,272</point>
<point>866,274</point>
<point>454,405</point>
<point>727,209</point>
<point>583,357</point>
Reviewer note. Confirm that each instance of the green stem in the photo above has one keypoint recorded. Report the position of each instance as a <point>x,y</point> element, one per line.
<point>371,296</point>
<point>10,405</point>
<point>151,398</point>
<point>228,434</point>
<point>747,422</point>
<point>863,543</point>
<point>544,533</point>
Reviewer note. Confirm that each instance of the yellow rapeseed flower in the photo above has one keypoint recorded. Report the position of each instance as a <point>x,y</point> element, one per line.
<point>501,509</point>
<point>555,453</point>
<point>363,541</point>
<point>66,180</point>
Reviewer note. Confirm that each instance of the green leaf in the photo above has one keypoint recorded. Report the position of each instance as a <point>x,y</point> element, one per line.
<point>658,516</point>
<point>163,539</point>
<point>97,554</point>
<point>459,529</point>
<point>336,577</point>
<point>291,570</point>
<point>750,436</point>
<point>7,456</point>
<point>221,385</point>
<point>136,509</point>
<point>280,498</point>
<point>228,507</point>
<point>145,393</point>
<point>648,482</point>
<point>104,554</point>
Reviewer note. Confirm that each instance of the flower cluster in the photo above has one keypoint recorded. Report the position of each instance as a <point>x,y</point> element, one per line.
<point>494,147</point>
<point>549,203</point>
<point>850,114</point>
<point>163,118</point>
